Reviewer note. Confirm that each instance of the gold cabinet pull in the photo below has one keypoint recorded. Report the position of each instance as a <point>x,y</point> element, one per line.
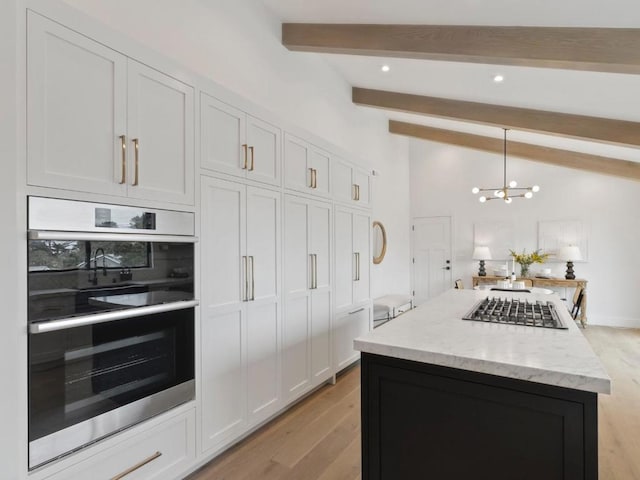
<point>246,278</point>
<point>355,191</point>
<point>315,271</point>
<point>244,147</point>
<point>315,178</point>
<point>137,466</point>
<point>123,148</point>
<point>136,171</point>
<point>252,158</point>
<point>310,177</point>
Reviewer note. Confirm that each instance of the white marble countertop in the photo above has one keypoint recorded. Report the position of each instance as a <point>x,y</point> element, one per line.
<point>435,333</point>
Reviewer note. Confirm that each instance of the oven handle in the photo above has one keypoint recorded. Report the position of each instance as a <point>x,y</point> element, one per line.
<point>108,237</point>
<point>65,323</point>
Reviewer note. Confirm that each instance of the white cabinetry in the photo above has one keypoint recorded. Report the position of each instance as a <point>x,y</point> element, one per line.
<point>352,286</point>
<point>240,334</point>
<point>100,122</point>
<point>306,167</point>
<point>236,143</point>
<point>350,184</point>
<point>306,355</point>
<point>162,452</point>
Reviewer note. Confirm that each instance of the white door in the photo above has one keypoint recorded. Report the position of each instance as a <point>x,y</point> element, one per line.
<point>297,171</point>
<point>161,136</point>
<point>224,321</point>
<point>263,141</point>
<point>342,181</point>
<point>431,257</point>
<point>362,256</point>
<point>263,315</point>
<point>76,110</point>
<point>349,326</point>
<point>344,258</point>
<point>361,181</point>
<point>223,146</point>
<point>320,249</point>
<point>298,265</point>
<point>320,161</point>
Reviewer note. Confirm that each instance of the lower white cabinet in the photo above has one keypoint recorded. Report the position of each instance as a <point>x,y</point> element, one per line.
<point>306,355</point>
<point>161,452</point>
<point>240,315</point>
<point>347,327</point>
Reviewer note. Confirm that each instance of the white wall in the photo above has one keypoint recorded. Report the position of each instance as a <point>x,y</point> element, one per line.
<point>441,180</point>
<point>237,44</point>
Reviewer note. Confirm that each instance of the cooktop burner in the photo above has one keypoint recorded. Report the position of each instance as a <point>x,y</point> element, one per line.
<point>516,312</point>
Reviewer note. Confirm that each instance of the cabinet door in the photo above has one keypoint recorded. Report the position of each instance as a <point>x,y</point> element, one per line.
<point>362,182</point>
<point>297,281</point>
<point>297,170</point>
<point>320,162</point>
<point>161,136</point>
<point>362,250</point>
<point>344,258</point>
<point>349,326</point>
<point>342,182</point>
<point>76,110</point>
<point>320,247</point>
<point>224,324</point>
<point>263,308</point>
<point>223,145</point>
<point>264,151</point>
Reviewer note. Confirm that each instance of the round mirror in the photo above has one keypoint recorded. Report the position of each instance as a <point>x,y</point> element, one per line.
<point>379,242</point>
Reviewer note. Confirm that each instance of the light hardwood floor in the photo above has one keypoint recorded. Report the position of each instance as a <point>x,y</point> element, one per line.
<point>319,438</point>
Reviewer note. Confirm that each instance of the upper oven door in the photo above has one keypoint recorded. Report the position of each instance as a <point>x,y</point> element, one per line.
<point>86,259</point>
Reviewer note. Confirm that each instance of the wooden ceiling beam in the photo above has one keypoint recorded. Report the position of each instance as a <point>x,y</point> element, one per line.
<point>553,156</point>
<point>597,129</point>
<point>575,48</point>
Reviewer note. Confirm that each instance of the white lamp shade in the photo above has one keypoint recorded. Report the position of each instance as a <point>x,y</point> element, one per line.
<point>481,253</point>
<point>569,253</point>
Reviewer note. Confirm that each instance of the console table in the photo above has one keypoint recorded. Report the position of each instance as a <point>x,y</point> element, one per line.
<point>545,282</point>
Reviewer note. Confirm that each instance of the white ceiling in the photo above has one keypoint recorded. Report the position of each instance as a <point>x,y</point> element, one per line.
<point>587,93</point>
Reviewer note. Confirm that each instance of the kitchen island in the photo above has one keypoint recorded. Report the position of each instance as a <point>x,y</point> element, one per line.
<point>447,398</point>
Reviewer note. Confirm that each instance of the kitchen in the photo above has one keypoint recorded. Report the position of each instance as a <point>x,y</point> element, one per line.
<point>303,90</point>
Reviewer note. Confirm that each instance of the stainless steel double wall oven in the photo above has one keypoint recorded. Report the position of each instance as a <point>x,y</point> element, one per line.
<point>110,320</point>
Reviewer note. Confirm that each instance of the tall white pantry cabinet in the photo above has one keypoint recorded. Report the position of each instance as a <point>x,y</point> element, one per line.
<point>284,247</point>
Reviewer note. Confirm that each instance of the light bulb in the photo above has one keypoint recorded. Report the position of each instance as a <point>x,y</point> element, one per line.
<point>528,195</point>
<point>483,199</point>
<point>498,78</point>
<point>513,184</point>
<point>535,188</point>
<point>501,193</point>
<point>475,190</point>
<point>385,68</point>
<point>508,200</point>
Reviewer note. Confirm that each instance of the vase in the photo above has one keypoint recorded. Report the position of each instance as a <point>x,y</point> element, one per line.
<point>524,270</point>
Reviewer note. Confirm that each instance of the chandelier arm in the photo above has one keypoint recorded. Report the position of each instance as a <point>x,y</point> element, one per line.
<point>521,188</point>
<point>505,157</point>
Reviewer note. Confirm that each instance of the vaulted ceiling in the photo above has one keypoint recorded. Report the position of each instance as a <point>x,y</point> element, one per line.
<point>571,71</point>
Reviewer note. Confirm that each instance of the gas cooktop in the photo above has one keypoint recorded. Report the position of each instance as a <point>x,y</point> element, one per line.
<point>512,311</point>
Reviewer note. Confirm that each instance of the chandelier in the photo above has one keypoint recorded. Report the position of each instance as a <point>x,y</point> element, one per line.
<point>506,192</point>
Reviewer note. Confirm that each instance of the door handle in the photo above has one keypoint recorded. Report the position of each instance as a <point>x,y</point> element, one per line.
<point>244,148</point>
<point>446,268</point>
<point>245,297</point>
<point>315,178</point>
<point>357,255</point>
<point>136,150</point>
<point>251,149</point>
<point>310,177</point>
<point>314,271</point>
<point>123,147</point>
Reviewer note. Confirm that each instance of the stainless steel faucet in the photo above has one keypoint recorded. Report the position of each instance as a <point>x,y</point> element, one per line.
<point>94,280</point>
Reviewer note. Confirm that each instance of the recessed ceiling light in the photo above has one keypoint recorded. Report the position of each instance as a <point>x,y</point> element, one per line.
<point>385,68</point>
<point>498,78</point>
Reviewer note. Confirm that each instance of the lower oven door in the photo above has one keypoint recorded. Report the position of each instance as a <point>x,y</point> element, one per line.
<point>88,381</point>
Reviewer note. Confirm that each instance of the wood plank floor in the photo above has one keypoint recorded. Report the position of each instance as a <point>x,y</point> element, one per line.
<point>319,438</point>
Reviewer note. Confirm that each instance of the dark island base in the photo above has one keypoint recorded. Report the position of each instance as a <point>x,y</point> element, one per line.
<point>422,421</point>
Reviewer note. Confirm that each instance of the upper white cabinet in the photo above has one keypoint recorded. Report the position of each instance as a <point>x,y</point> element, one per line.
<point>306,167</point>
<point>100,122</point>
<point>236,143</point>
<point>240,334</point>
<point>350,184</point>
<point>306,352</point>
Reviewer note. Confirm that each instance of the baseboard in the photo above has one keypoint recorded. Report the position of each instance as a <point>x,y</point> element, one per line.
<point>608,321</point>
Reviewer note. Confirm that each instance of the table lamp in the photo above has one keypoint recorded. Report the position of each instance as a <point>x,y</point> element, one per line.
<point>569,254</point>
<point>481,253</point>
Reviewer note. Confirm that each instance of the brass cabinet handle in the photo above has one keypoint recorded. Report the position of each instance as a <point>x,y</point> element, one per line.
<point>355,191</point>
<point>136,149</point>
<point>315,271</point>
<point>357,311</point>
<point>357,266</point>
<point>315,178</point>
<point>244,147</point>
<point>310,177</point>
<point>123,147</point>
<point>358,192</point>
<point>312,274</point>
<point>137,466</point>
<point>252,158</point>
<point>253,284</point>
<point>245,297</point>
